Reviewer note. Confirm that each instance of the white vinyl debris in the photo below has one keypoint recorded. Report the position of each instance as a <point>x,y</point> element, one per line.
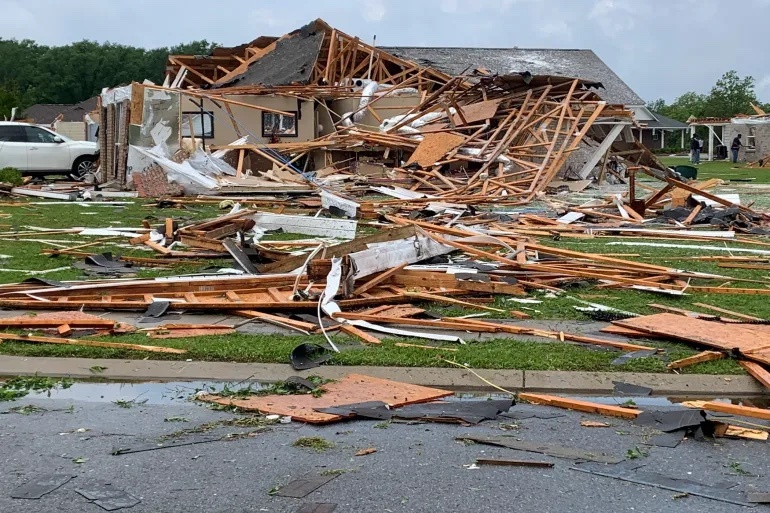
<point>323,226</point>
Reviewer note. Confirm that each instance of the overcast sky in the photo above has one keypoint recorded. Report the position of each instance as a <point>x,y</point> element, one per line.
<point>661,48</point>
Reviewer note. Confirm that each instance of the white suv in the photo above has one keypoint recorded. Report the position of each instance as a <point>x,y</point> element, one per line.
<point>35,150</point>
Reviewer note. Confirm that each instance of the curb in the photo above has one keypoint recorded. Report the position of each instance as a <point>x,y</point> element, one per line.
<point>456,379</point>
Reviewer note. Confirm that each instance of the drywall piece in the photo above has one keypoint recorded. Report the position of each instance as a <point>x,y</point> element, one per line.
<point>632,473</point>
<point>332,200</point>
<point>732,198</point>
<point>570,217</point>
<point>337,228</point>
<point>40,485</point>
<point>382,257</point>
<point>405,333</point>
<point>400,193</point>
<point>109,232</point>
<point>21,191</point>
<point>556,451</point>
<point>353,388</point>
<point>691,247</point>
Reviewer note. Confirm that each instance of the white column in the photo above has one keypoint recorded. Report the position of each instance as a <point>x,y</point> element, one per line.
<point>711,143</point>
<point>683,131</point>
<point>662,139</point>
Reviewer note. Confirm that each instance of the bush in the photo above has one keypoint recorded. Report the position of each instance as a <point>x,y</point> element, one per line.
<point>11,175</point>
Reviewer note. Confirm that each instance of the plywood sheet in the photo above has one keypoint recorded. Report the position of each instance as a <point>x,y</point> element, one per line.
<point>477,112</point>
<point>352,389</point>
<point>751,340</point>
<point>433,148</point>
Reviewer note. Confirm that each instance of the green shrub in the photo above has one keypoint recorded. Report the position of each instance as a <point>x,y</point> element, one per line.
<point>11,175</point>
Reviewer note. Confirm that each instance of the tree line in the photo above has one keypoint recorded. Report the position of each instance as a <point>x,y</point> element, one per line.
<point>730,96</point>
<point>31,73</point>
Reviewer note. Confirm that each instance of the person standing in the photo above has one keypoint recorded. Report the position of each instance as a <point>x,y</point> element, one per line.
<point>735,147</point>
<point>695,150</point>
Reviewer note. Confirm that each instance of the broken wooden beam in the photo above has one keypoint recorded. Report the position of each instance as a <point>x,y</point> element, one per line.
<point>705,356</point>
<point>574,404</point>
<point>90,343</point>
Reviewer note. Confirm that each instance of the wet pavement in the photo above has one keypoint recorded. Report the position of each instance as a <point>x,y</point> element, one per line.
<point>417,467</point>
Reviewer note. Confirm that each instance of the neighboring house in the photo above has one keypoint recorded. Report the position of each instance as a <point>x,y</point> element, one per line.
<point>755,131</point>
<point>69,120</point>
<point>662,132</point>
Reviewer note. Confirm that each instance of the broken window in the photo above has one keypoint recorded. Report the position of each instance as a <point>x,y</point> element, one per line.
<point>279,125</point>
<point>202,125</point>
<point>751,140</point>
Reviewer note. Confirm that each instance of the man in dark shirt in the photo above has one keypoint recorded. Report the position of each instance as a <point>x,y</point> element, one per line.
<point>695,150</point>
<point>735,147</point>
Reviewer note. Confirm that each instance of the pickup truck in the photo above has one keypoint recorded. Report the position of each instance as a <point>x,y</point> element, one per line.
<point>35,150</point>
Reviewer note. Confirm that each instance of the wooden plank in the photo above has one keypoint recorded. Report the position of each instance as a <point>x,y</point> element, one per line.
<point>433,147</point>
<point>728,312</point>
<point>757,372</point>
<point>34,322</point>
<point>586,406</point>
<point>91,343</point>
<point>365,337</point>
<point>735,409</point>
<point>378,279</point>
<point>277,320</point>
<point>352,389</point>
<point>693,214</point>
<point>705,356</point>
<point>169,230</point>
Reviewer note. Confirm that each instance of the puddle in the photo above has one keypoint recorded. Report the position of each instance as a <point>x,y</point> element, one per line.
<point>147,393</point>
<point>159,393</point>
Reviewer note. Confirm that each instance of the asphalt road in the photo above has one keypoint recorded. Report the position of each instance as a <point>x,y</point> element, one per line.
<point>417,468</point>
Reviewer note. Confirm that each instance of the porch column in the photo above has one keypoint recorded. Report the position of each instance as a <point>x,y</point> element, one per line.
<point>711,143</point>
<point>662,139</point>
<point>683,131</point>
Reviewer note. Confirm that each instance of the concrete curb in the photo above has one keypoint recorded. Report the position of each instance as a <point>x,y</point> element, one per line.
<point>456,379</point>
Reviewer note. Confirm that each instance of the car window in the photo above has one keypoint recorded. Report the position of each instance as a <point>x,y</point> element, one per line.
<point>11,133</point>
<point>38,135</point>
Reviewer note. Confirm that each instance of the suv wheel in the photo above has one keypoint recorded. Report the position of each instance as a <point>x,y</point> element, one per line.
<point>83,166</point>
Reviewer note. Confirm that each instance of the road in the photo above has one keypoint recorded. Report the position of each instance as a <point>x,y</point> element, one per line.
<point>417,467</point>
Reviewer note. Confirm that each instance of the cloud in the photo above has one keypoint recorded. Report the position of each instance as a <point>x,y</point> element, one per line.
<point>554,28</point>
<point>615,17</point>
<point>450,6</point>
<point>374,10</point>
<point>263,17</point>
<point>764,82</point>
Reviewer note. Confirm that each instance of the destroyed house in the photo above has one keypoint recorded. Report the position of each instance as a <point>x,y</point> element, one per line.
<point>318,104</point>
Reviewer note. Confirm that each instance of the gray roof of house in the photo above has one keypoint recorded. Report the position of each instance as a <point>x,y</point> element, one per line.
<point>665,122</point>
<point>583,64</point>
<point>46,113</point>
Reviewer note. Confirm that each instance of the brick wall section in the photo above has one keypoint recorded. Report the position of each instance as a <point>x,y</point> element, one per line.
<point>762,148</point>
<point>153,183</point>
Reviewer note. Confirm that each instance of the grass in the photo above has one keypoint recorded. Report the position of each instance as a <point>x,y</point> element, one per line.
<point>18,387</point>
<point>723,169</point>
<point>315,443</point>
<point>494,354</point>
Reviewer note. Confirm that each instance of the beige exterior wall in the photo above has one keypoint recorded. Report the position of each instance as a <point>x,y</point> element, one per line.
<point>75,130</point>
<point>385,108</point>
<point>250,120</point>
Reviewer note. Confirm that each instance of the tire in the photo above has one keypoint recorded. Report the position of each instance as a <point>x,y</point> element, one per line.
<point>83,166</point>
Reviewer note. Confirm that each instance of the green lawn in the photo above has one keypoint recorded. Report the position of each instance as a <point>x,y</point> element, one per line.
<point>508,353</point>
<point>723,169</point>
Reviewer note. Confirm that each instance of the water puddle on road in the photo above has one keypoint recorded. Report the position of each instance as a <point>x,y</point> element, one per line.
<point>159,393</point>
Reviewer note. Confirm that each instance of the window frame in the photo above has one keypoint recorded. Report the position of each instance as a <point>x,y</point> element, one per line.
<point>655,135</point>
<point>751,138</point>
<point>295,114</point>
<point>195,126</point>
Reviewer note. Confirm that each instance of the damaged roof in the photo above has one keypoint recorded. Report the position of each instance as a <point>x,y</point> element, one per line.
<point>291,62</point>
<point>584,64</point>
<point>664,122</point>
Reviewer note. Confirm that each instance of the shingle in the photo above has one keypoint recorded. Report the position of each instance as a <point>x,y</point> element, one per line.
<point>583,64</point>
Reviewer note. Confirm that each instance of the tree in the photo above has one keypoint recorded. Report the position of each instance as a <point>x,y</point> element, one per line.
<point>9,98</point>
<point>658,105</point>
<point>731,95</point>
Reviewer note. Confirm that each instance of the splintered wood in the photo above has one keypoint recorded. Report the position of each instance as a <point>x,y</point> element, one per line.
<point>351,389</point>
<point>433,147</point>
